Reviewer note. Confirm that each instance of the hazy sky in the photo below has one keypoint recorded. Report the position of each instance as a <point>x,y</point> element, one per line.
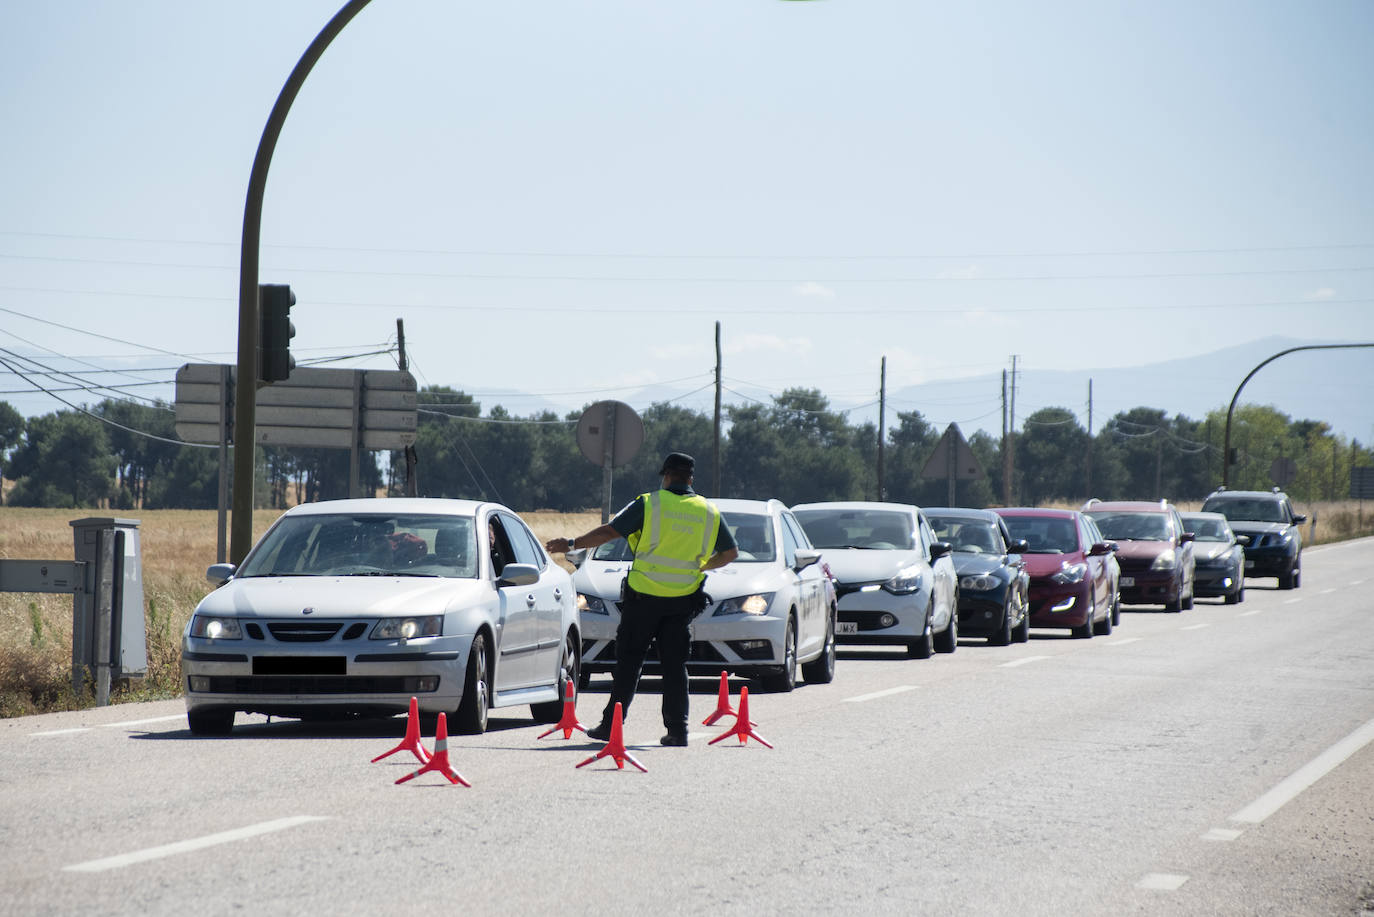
<point>562,197</point>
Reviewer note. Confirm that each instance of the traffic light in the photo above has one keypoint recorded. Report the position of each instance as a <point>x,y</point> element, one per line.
<point>275,332</point>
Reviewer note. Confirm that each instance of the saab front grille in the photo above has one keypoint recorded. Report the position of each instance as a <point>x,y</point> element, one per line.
<point>304,631</point>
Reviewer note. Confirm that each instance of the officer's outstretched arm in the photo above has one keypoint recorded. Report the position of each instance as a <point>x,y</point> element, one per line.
<point>720,559</point>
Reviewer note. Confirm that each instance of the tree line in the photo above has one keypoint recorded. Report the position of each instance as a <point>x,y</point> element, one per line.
<point>121,455</point>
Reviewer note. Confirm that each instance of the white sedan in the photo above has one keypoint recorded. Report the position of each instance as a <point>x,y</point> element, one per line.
<point>351,607</point>
<point>772,609</point>
<point>896,581</point>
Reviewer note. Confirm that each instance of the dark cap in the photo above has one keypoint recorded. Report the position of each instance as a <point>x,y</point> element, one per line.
<point>678,461</point>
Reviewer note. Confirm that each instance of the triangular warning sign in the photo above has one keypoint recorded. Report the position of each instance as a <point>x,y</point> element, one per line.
<point>952,458</point>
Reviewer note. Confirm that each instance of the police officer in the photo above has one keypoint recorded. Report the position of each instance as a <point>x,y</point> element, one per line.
<point>676,536</point>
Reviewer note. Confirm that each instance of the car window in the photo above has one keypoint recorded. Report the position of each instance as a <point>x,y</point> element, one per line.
<point>968,536</point>
<point>372,544</point>
<point>1131,526</point>
<point>858,528</point>
<point>753,534</point>
<point>522,542</point>
<point>1239,509</point>
<point>789,544</point>
<point>617,550</point>
<point>1044,534</point>
<point>1207,529</point>
<point>790,521</point>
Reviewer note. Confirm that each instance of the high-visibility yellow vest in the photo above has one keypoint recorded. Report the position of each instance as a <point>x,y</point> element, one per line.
<point>677,537</point>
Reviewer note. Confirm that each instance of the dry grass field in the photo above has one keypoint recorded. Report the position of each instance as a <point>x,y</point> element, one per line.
<point>35,630</point>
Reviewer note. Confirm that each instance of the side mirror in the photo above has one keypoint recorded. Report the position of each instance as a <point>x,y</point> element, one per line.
<point>577,558</point>
<point>1299,517</point>
<point>1019,546</point>
<point>804,559</point>
<point>219,574</point>
<point>940,549</point>
<point>1243,540</point>
<point>1101,548</point>
<point>518,575</point>
<point>1187,537</point>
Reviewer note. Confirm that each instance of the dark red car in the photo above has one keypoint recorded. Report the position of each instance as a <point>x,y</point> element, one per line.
<point>1153,548</point>
<point>1072,573</point>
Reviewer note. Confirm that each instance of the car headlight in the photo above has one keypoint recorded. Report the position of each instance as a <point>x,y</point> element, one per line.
<point>215,628</point>
<point>408,628</point>
<point>1071,573</point>
<point>591,605</point>
<point>980,582</point>
<point>755,604</point>
<point>1167,560</point>
<point>907,581</point>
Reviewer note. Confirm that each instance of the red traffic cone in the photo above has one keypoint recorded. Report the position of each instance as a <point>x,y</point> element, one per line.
<point>743,725</point>
<point>440,760</point>
<point>569,721</point>
<point>723,707</point>
<point>411,742</point>
<point>615,747</point>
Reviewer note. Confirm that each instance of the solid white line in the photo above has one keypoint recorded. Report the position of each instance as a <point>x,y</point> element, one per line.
<point>1024,660</point>
<point>155,719</point>
<point>877,694</point>
<point>1195,627</point>
<point>1314,770</point>
<point>1246,614</point>
<point>1222,834</point>
<point>1123,641</point>
<point>62,732</point>
<point>198,843</point>
<point>1162,881</point>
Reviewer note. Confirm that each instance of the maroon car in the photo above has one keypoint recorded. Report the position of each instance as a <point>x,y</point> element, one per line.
<point>1072,579</point>
<point>1153,548</point>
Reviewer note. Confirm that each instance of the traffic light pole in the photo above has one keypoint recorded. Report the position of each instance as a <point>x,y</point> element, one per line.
<point>245,391</point>
<point>1226,448</point>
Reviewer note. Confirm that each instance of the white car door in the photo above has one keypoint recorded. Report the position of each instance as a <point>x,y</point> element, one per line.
<point>810,590</point>
<point>517,644</point>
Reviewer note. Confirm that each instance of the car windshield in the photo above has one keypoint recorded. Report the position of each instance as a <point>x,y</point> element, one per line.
<point>968,536</point>
<point>1205,529</point>
<point>753,536</point>
<point>617,550</point>
<point>1044,535</point>
<point>366,545</point>
<point>882,530</point>
<point>1123,526</point>
<point>1246,510</point>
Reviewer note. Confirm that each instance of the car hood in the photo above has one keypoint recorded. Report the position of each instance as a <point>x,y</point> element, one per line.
<point>1047,564</point>
<point>851,565</point>
<point>603,578</point>
<point>1246,527</point>
<point>313,597</point>
<point>1210,550</point>
<point>1141,550</point>
<point>966,564</point>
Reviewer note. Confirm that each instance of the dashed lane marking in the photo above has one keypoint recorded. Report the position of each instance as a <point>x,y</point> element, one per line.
<point>1024,660</point>
<point>1222,834</point>
<point>1246,614</point>
<point>1195,627</point>
<point>900,689</point>
<point>196,843</point>
<point>1162,881</point>
<point>1123,641</point>
<point>62,732</point>
<point>1314,770</point>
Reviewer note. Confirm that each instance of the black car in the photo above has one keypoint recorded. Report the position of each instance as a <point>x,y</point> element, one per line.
<point>993,582</point>
<point>1267,517</point>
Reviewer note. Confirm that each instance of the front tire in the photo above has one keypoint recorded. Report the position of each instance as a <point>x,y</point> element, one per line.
<point>821,670</point>
<point>471,716</point>
<point>1022,633</point>
<point>947,640</point>
<point>786,680</point>
<point>922,646</point>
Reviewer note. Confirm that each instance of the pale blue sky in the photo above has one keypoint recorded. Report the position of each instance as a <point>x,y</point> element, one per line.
<point>562,198</point>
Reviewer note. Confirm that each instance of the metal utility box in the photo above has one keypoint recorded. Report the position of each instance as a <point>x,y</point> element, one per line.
<point>108,633</point>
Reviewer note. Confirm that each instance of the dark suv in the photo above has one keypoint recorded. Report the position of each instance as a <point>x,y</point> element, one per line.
<point>1275,547</point>
<point>1154,550</point>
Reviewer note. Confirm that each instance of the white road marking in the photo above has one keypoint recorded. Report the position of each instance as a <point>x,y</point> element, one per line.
<point>1246,614</point>
<point>1162,881</point>
<point>1195,627</point>
<point>1123,641</point>
<point>1326,592</point>
<point>197,843</point>
<point>62,732</point>
<point>1314,770</point>
<point>1222,834</point>
<point>1291,601</point>
<point>155,719</point>
<point>901,689</point>
<point>1358,582</point>
<point>1024,660</point>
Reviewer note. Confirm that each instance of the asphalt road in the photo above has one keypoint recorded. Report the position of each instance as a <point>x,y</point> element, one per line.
<point>1217,761</point>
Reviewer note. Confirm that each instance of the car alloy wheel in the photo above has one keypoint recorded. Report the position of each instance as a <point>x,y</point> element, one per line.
<point>786,680</point>
<point>476,702</point>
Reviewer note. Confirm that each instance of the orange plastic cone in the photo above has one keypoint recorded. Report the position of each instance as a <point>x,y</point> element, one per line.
<point>723,707</point>
<point>615,747</point>
<point>569,721</point>
<point>440,760</point>
<point>411,742</point>
<point>743,725</point>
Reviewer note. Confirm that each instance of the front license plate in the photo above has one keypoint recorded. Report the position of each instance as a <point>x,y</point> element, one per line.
<point>1128,580</point>
<point>846,627</point>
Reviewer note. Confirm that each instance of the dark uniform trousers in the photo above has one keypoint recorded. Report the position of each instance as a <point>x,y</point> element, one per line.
<point>664,620</point>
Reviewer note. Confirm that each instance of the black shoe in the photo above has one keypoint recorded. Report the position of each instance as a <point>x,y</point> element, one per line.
<point>600,732</point>
<point>677,739</point>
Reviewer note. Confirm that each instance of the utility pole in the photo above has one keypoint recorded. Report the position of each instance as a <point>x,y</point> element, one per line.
<point>715,429</point>
<point>1009,441</point>
<point>412,485</point>
<point>882,416</point>
<point>1006,447</point>
<point>1089,460</point>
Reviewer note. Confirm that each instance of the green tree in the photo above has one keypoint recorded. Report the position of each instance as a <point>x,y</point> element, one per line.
<point>1051,455</point>
<point>11,434</point>
<point>64,460</point>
